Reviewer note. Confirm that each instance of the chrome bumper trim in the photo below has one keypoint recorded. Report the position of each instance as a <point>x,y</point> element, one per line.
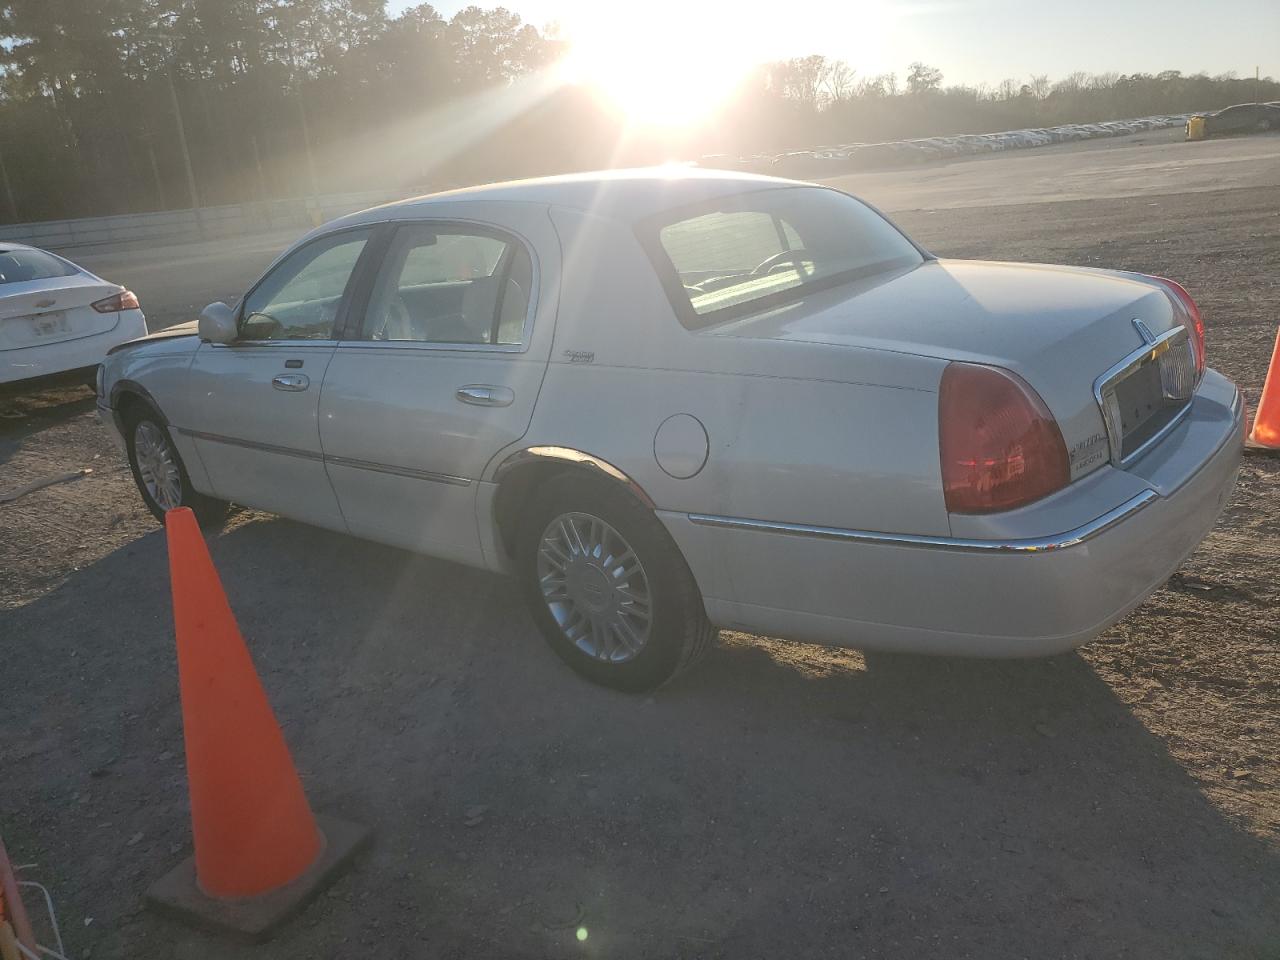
<point>1059,541</point>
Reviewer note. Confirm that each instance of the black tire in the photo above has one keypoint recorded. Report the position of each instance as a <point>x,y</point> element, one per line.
<point>209,511</point>
<point>679,633</point>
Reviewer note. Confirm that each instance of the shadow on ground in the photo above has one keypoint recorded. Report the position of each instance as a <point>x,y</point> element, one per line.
<point>25,413</point>
<point>782,801</point>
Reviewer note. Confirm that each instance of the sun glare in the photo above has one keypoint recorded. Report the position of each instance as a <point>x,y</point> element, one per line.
<point>659,70</point>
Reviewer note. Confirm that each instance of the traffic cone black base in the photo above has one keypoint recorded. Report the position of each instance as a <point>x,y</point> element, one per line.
<point>255,918</point>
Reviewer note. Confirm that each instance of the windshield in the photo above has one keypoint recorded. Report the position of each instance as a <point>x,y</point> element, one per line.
<point>19,265</point>
<point>758,250</point>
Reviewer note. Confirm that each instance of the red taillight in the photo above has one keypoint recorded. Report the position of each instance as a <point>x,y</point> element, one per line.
<point>1188,315</point>
<point>124,300</point>
<point>1000,446</point>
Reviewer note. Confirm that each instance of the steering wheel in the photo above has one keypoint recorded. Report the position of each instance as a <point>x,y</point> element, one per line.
<point>778,259</point>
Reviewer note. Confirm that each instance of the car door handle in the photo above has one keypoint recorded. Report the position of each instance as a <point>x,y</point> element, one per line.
<point>291,381</point>
<point>486,395</point>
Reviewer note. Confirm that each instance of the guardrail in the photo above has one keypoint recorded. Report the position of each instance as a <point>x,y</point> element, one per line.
<point>218,221</point>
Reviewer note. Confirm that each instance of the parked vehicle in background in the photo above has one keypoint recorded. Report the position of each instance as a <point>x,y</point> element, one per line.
<point>1239,119</point>
<point>673,401</point>
<point>57,318</point>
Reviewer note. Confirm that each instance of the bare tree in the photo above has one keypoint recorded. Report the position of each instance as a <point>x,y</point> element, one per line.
<point>837,81</point>
<point>802,78</point>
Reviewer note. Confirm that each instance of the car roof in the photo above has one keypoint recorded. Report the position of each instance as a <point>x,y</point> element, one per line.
<point>621,194</point>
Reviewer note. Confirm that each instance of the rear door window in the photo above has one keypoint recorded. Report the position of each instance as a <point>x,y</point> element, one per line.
<point>451,284</point>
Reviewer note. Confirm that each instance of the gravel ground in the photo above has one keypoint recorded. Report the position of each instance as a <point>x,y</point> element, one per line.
<point>784,800</point>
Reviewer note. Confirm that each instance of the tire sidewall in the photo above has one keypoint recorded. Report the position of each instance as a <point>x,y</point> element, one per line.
<point>670,582</point>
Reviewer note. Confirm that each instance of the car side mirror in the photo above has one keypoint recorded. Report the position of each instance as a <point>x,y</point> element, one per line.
<point>217,323</point>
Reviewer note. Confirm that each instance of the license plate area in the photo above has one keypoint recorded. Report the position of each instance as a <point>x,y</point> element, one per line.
<point>1145,395</point>
<point>1143,407</point>
<point>50,324</point>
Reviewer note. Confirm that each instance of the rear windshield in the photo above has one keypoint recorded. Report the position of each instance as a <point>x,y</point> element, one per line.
<point>19,265</point>
<point>757,250</point>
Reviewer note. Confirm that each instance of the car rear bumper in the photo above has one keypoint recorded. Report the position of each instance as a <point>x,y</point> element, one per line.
<point>1012,596</point>
<point>35,362</point>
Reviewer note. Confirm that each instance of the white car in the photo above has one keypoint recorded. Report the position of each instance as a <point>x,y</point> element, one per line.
<point>671,402</point>
<point>58,318</point>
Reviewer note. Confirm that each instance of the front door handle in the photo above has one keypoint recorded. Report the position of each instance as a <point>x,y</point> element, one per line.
<point>486,395</point>
<point>291,381</point>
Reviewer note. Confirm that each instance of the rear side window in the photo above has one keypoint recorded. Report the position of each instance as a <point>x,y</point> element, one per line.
<point>451,284</point>
<point>762,249</point>
<point>17,266</point>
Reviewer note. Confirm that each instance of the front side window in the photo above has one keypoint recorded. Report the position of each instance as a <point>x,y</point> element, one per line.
<point>299,299</point>
<point>762,249</point>
<point>17,266</point>
<point>451,285</point>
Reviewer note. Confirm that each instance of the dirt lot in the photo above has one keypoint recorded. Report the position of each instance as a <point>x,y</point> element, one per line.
<point>783,801</point>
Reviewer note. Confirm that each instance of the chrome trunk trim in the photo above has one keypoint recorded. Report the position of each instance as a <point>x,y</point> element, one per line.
<point>1104,391</point>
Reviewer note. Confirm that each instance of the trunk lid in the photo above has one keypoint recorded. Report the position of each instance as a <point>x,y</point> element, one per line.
<point>39,312</point>
<point>1059,328</point>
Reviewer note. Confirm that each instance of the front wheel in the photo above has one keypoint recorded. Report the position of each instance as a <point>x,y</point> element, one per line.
<point>159,472</point>
<point>608,588</point>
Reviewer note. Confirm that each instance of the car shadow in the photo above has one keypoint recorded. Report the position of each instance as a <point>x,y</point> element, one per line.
<point>781,800</point>
<point>24,413</point>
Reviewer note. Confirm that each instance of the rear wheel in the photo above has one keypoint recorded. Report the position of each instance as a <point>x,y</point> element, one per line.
<point>608,588</point>
<point>159,472</point>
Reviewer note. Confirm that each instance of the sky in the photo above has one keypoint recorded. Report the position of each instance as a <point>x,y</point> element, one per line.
<point>971,41</point>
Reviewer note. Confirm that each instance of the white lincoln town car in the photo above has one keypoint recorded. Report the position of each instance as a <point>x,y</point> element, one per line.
<point>673,402</point>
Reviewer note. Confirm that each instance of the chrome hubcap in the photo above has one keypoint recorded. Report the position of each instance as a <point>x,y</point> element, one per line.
<point>595,587</point>
<point>157,465</point>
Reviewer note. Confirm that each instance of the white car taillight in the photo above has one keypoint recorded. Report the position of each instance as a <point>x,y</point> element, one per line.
<point>1188,315</point>
<point>124,300</point>
<point>1000,446</point>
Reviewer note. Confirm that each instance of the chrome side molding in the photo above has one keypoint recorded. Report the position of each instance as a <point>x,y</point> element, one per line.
<point>1060,541</point>
<point>328,459</point>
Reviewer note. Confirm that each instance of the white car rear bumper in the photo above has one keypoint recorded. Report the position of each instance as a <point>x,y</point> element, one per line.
<point>43,360</point>
<point>1018,596</point>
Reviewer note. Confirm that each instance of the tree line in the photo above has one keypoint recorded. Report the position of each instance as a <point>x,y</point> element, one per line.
<point>281,98</point>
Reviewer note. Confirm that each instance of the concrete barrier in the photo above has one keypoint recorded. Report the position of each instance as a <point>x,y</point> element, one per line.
<point>180,225</point>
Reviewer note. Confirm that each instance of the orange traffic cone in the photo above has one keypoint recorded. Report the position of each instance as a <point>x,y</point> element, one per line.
<point>1266,422</point>
<point>258,850</point>
<point>16,926</point>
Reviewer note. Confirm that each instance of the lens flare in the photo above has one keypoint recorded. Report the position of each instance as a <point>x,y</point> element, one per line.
<point>656,74</point>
